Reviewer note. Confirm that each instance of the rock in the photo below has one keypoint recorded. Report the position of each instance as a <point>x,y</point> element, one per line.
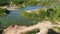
<point>7,11</point>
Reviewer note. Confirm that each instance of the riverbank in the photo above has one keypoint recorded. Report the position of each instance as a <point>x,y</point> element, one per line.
<point>10,6</point>
<point>3,14</point>
<point>14,6</point>
<point>6,7</point>
<point>4,11</point>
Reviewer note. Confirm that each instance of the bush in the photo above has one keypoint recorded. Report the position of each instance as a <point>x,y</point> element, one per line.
<point>50,13</point>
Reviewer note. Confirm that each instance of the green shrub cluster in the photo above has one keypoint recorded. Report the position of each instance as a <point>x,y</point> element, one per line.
<point>49,14</point>
<point>29,2</point>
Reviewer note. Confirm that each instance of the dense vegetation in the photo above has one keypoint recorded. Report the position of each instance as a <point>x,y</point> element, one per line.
<point>4,2</point>
<point>30,2</point>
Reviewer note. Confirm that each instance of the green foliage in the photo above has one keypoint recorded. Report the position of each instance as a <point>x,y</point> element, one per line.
<point>29,15</point>
<point>31,3</point>
<point>37,15</point>
<point>42,14</point>
<point>53,14</point>
<point>18,1</point>
<point>4,2</point>
<point>1,11</point>
<point>32,32</point>
<point>57,17</point>
<point>27,2</point>
<point>50,13</point>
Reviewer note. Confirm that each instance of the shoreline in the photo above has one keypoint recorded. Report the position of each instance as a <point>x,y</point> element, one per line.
<point>6,7</point>
<point>2,14</point>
